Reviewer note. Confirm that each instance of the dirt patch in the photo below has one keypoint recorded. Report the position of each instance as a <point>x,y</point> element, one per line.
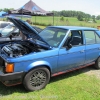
<point>91,71</point>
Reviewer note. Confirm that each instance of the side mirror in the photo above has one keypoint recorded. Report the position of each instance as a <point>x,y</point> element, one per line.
<point>69,45</point>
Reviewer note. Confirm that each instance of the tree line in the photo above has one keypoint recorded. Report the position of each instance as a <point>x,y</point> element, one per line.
<point>69,13</point>
<point>6,9</point>
<point>79,14</point>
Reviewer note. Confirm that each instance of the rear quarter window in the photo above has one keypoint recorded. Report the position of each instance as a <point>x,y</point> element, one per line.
<point>98,36</point>
<point>98,32</point>
<point>90,37</point>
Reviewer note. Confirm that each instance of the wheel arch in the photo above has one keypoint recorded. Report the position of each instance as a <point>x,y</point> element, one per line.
<point>38,64</point>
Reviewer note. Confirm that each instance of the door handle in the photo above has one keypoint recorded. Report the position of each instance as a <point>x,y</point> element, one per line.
<point>82,51</point>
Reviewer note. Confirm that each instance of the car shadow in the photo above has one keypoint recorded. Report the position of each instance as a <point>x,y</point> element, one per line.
<point>4,90</point>
<point>8,90</point>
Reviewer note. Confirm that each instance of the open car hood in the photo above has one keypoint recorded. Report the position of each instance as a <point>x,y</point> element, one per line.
<point>28,31</point>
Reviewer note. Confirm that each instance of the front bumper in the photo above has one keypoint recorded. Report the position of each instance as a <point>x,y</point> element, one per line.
<point>12,78</point>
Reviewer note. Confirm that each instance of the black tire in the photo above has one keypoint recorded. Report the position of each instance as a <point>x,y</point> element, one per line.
<point>97,63</point>
<point>36,79</point>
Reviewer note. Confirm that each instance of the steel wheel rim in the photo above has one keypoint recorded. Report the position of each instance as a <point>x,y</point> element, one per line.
<point>38,78</point>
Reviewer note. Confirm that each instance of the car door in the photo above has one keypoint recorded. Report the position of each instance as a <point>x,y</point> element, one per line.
<point>74,56</point>
<point>92,46</point>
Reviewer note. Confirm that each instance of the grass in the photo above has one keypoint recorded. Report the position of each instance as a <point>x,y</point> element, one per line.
<point>71,86</point>
<point>71,21</point>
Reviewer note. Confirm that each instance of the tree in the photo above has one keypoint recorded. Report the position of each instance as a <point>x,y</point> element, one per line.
<point>80,17</point>
<point>0,9</point>
<point>62,18</point>
<point>6,9</point>
<point>98,17</point>
<point>93,17</point>
<point>71,13</point>
<point>87,17</point>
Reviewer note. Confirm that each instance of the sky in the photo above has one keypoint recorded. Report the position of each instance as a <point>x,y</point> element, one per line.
<point>88,6</point>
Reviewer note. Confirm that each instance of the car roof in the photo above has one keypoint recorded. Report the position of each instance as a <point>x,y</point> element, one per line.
<point>74,27</point>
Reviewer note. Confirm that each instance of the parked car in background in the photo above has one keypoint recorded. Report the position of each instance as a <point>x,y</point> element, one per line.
<point>54,51</point>
<point>3,24</point>
<point>12,30</point>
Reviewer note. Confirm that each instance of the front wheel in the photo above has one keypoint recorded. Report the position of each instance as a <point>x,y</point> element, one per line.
<point>97,63</point>
<point>36,79</point>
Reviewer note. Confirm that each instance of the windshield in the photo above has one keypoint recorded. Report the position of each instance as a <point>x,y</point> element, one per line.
<point>7,30</point>
<point>53,36</point>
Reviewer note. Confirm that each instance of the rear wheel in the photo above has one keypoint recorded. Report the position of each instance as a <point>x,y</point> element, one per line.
<point>36,79</point>
<point>97,63</point>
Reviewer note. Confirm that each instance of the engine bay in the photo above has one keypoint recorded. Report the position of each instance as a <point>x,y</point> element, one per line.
<point>18,49</point>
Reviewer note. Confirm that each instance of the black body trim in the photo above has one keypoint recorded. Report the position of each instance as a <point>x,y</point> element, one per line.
<point>12,76</point>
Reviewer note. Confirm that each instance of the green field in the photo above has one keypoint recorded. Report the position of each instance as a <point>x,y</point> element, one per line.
<point>71,21</point>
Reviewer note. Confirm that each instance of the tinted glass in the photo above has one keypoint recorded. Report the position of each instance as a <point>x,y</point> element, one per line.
<point>97,39</point>
<point>90,37</point>
<point>53,36</point>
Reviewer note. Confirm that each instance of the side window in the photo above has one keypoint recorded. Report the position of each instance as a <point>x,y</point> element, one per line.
<point>90,37</point>
<point>97,39</point>
<point>75,38</point>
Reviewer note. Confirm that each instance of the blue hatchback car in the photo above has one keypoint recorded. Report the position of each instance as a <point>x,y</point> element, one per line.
<point>55,50</point>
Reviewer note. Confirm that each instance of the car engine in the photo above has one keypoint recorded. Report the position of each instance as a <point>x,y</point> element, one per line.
<point>14,50</point>
<point>17,49</point>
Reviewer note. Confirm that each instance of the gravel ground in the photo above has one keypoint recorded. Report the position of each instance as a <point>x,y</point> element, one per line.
<point>91,71</point>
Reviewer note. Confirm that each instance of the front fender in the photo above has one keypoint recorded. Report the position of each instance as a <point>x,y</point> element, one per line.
<point>37,63</point>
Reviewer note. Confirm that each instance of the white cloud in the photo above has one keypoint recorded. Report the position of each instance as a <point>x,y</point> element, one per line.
<point>97,13</point>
